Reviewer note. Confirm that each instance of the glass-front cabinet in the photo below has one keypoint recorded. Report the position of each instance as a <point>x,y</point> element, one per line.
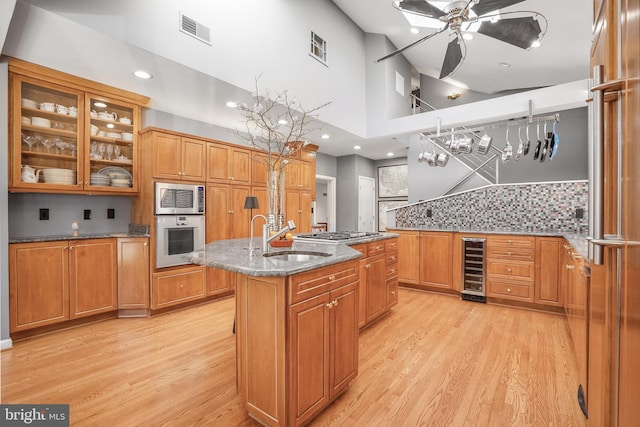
<point>67,138</point>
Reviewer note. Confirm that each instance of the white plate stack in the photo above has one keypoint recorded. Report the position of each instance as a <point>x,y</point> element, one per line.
<point>100,179</point>
<point>120,182</point>
<point>59,176</point>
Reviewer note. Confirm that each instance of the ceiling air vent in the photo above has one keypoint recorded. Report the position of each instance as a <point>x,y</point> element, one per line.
<point>195,29</point>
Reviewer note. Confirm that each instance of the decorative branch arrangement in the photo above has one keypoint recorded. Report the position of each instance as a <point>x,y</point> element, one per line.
<point>277,125</point>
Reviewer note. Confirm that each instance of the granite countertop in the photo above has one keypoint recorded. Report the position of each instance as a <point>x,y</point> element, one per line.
<point>33,239</point>
<point>578,241</point>
<point>356,240</point>
<point>233,255</point>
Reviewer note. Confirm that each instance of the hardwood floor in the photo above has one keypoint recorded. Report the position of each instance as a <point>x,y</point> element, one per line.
<point>434,361</point>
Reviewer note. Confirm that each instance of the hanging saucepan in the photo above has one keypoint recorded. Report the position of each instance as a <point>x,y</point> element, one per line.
<point>553,148</point>
<point>441,159</point>
<point>484,145</point>
<point>545,148</point>
<point>527,143</point>
<point>520,145</point>
<point>536,152</point>
<point>508,149</point>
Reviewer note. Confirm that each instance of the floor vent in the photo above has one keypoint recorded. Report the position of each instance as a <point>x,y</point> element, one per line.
<point>475,298</point>
<point>195,29</point>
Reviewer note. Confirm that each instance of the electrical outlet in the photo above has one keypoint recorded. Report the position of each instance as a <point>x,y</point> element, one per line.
<point>87,214</point>
<point>44,214</point>
<point>111,213</point>
<point>429,213</point>
<point>579,213</point>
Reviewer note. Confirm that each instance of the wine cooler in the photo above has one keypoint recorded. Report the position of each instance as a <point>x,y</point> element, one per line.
<point>473,269</point>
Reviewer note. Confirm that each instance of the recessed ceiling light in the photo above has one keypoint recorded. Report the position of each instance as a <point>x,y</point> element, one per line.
<point>325,136</point>
<point>141,74</point>
<point>535,44</point>
<point>414,30</point>
<point>504,64</point>
<point>99,104</point>
<point>231,104</point>
<point>467,36</point>
<point>356,147</point>
<point>282,122</point>
<point>390,154</point>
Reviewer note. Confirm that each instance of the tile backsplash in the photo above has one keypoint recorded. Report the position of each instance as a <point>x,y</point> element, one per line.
<point>535,207</point>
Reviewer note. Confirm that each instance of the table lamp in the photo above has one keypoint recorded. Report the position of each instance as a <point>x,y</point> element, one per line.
<point>251,203</point>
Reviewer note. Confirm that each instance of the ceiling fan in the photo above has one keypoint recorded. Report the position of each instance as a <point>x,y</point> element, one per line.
<point>458,15</point>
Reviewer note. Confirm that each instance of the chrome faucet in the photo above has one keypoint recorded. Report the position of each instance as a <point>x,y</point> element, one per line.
<point>266,240</point>
<point>252,246</point>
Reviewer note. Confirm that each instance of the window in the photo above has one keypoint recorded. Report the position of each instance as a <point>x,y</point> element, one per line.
<point>318,48</point>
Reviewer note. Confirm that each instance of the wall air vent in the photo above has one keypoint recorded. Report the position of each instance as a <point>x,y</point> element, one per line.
<point>195,29</point>
<point>318,48</point>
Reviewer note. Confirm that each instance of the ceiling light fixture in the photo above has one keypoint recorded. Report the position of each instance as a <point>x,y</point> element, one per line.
<point>390,154</point>
<point>282,122</point>
<point>141,74</point>
<point>414,30</point>
<point>99,104</point>
<point>356,147</point>
<point>504,64</point>
<point>535,44</point>
<point>325,136</point>
<point>467,36</point>
<point>454,95</point>
<point>231,104</point>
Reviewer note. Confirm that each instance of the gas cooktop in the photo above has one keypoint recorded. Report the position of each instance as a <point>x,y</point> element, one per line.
<point>334,236</point>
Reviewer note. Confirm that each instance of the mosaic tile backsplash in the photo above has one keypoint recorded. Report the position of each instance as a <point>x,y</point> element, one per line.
<point>540,207</point>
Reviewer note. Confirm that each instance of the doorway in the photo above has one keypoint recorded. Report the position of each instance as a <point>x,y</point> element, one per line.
<point>324,207</point>
<point>366,203</point>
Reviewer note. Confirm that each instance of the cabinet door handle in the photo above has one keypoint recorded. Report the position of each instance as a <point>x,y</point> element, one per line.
<point>393,270</point>
<point>570,267</point>
<point>367,265</point>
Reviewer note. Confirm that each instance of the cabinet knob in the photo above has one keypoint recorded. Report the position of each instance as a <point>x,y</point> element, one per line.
<point>378,248</point>
<point>509,290</point>
<point>80,182</point>
<point>508,253</point>
<point>367,265</point>
<point>65,248</point>
<point>393,292</point>
<point>332,278</point>
<point>393,258</point>
<point>70,248</point>
<point>181,286</point>
<point>335,302</point>
<point>570,267</point>
<point>231,178</point>
<point>145,243</point>
<point>510,241</point>
<point>330,304</point>
<point>509,270</point>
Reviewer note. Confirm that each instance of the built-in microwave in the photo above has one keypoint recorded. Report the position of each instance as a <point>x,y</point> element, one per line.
<point>171,199</point>
<point>178,236</point>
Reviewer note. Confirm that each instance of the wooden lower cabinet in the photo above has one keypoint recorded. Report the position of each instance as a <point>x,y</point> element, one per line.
<point>50,282</point>
<point>177,286</point>
<point>511,267</point>
<point>548,271</point>
<point>436,254</point>
<point>296,342</point>
<point>220,282</point>
<point>408,256</point>
<point>133,273</point>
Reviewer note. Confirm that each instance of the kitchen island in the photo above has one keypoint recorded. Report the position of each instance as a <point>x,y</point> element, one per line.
<point>296,325</point>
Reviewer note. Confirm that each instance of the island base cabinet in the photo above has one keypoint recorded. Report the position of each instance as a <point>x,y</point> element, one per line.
<point>295,355</point>
<point>177,286</point>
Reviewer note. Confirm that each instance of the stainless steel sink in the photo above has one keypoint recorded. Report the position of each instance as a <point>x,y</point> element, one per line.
<point>296,255</point>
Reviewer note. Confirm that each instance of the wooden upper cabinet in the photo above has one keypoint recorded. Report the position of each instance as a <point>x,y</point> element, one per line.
<point>259,169</point>
<point>228,164</point>
<point>178,158</point>
<point>60,121</point>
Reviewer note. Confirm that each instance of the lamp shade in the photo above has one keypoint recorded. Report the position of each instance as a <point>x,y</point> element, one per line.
<point>251,202</point>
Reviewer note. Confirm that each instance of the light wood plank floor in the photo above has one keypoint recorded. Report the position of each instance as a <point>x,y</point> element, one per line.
<point>434,361</point>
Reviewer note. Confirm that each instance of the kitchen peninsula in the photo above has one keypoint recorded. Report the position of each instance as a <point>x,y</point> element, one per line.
<point>297,322</point>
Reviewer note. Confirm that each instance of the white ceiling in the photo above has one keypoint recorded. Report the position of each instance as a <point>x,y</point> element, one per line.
<point>563,56</point>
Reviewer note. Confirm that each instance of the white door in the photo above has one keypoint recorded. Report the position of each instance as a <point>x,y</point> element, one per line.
<point>366,203</point>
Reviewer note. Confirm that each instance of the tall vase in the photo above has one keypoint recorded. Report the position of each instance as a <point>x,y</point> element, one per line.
<point>275,199</point>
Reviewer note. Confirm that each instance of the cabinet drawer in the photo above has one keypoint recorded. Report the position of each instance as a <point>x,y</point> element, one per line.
<point>362,247</point>
<point>176,287</point>
<point>375,248</point>
<point>312,283</point>
<point>392,292</point>
<point>392,257</point>
<point>391,244</point>
<point>392,270</point>
<point>511,241</point>
<point>521,270</point>
<point>502,289</point>
<point>520,254</point>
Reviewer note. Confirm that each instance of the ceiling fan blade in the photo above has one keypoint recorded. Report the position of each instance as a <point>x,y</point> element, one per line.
<point>520,32</point>
<point>486,6</point>
<point>403,48</point>
<point>420,7</point>
<point>453,58</point>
